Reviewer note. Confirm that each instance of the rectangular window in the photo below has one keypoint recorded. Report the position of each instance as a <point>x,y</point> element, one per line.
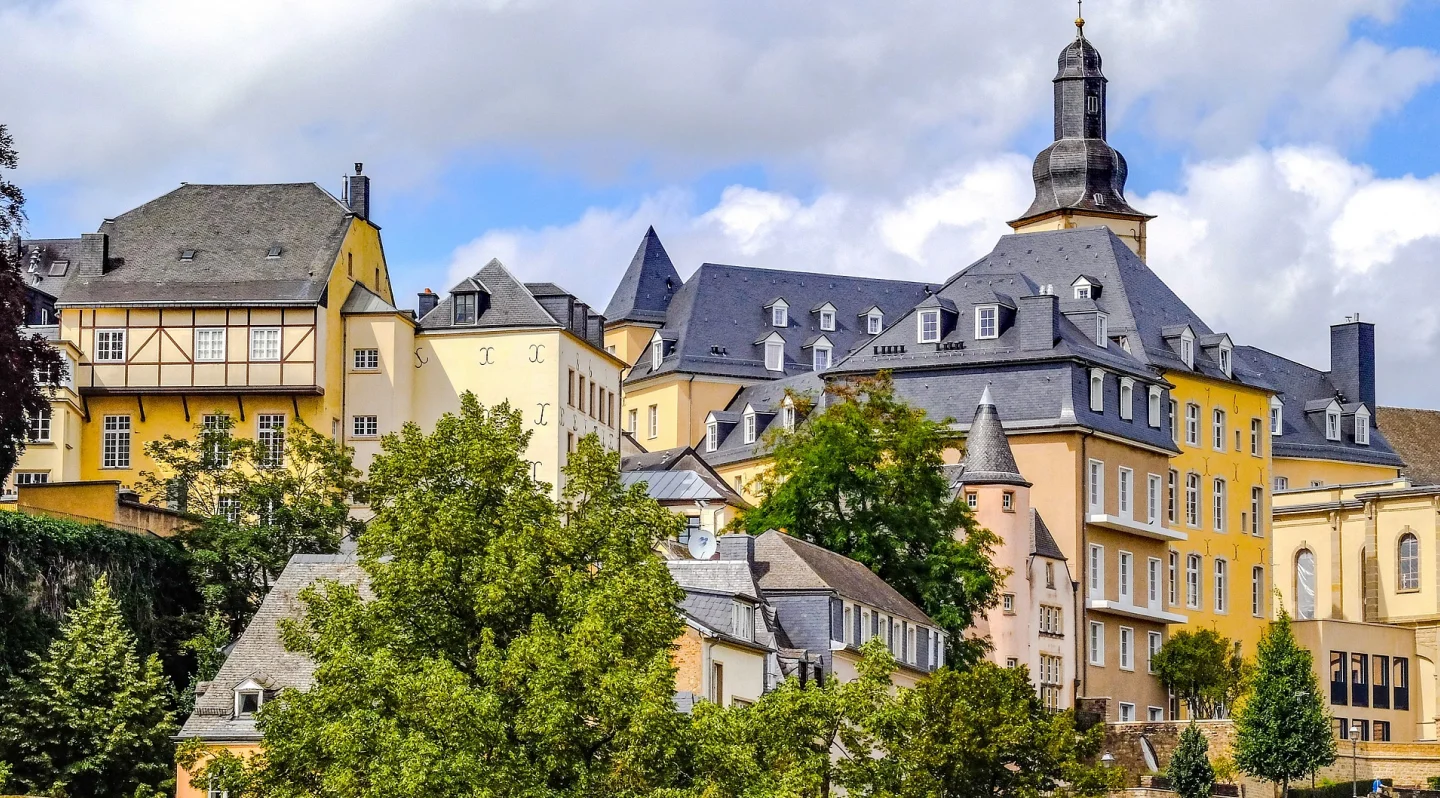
<point>742,620</point>
<point>1152,580</point>
<point>1097,390</point>
<point>775,355</point>
<point>1153,649</point>
<point>972,499</point>
<point>109,346</point>
<point>1007,501</point>
<point>821,358</point>
<point>1155,714</point>
<point>1127,485</point>
<point>265,343</point>
<point>465,305</point>
<point>1192,499</point>
<point>209,344</point>
<point>115,442</point>
<point>1282,483</point>
<point>1382,731</point>
<point>1255,437</point>
<point>1172,502</point>
<point>1152,499</point>
<point>827,320</point>
<point>592,408</point>
<point>581,394</point>
<point>1007,603</point>
<point>1127,398</point>
<point>1152,413</point>
<point>270,435</point>
<point>1174,578</point>
<point>1097,486</point>
<point>1222,585</point>
<point>1051,672</point>
<point>1339,694</point>
<point>1359,680</point>
<point>712,436</point>
<point>1127,648</point>
<point>872,324</point>
<point>1174,421</point>
<point>215,440</point>
<point>366,426</point>
<point>1192,424</point>
<point>929,326</point>
<point>1257,591</point>
<point>1097,643</point>
<point>654,422</point>
<point>1192,581</point>
<point>38,427</point>
<point>1219,430</point>
<point>1127,712</point>
<point>1380,681</point>
<point>1401,684</point>
<point>632,421</point>
<point>367,359</point>
<point>1127,577</point>
<point>717,683</point>
<point>987,322</point>
<point>1220,495</point>
<point>749,424</point>
<point>1097,571</point>
<point>780,316</point>
<point>1051,621</point>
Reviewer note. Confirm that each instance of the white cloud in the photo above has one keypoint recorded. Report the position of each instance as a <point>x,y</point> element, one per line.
<point>1272,246</point>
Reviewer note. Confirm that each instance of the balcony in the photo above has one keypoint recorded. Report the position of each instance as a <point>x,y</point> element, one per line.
<point>1129,610</point>
<point>1155,531</point>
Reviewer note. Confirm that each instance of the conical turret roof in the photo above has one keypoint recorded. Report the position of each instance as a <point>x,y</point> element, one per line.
<point>988,458</point>
<point>649,283</point>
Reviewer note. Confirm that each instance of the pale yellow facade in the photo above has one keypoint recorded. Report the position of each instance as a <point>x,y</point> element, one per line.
<point>670,410</point>
<point>1298,474</point>
<point>1129,229</point>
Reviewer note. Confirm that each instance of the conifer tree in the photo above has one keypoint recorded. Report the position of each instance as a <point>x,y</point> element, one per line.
<point>1190,773</point>
<point>1282,731</point>
<point>90,717</point>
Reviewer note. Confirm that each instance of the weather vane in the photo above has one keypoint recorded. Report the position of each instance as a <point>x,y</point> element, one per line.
<point>1080,16</point>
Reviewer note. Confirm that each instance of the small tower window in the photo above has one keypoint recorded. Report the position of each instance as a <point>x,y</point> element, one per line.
<point>1092,104</point>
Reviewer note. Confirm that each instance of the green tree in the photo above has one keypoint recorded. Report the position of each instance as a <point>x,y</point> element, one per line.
<point>1189,772</point>
<point>864,478</point>
<point>1203,669</point>
<point>29,366</point>
<point>90,718</point>
<point>256,507</point>
<point>983,733</point>
<point>1282,730</point>
<point>510,644</point>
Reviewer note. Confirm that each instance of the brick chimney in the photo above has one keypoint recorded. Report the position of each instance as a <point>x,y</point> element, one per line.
<point>736,547</point>
<point>427,301</point>
<point>1039,321</point>
<point>94,252</point>
<point>1352,360</point>
<point>358,193</point>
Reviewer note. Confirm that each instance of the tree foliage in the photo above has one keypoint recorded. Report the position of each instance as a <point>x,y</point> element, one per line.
<point>256,509</point>
<point>863,477</point>
<point>501,650</point>
<point>1189,773</point>
<point>29,366</point>
<point>91,716</point>
<point>1203,669</point>
<point>1282,729</point>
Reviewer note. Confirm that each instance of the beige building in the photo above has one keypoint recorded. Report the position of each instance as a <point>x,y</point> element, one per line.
<point>1353,559</point>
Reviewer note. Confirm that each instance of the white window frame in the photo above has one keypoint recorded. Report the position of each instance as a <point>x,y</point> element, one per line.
<point>874,322</point>
<point>260,340</point>
<point>780,314</point>
<point>632,419</point>
<point>1218,428</point>
<point>1221,570</point>
<point>1192,424</point>
<point>1255,425</point>
<point>366,359</point>
<point>1332,423</point>
<point>111,345</point>
<point>712,436</point>
<point>1155,416</point>
<point>1154,487</point>
<point>1257,591</point>
<point>38,427</point>
<point>1102,330</point>
<point>1362,427</point>
<point>1227,361</point>
<point>1096,572</point>
<point>365,426</point>
<point>1154,641</point>
<point>787,415</point>
<point>1127,711</point>
<point>775,356</point>
<point>923,320</point>
<point>1097,390</point>
<point>827,320</point>
<point>1095,487</point>
<point>115,441</point>
<point>747,422</point>
<point>1125,487</point>
<point>1257,507</point>
<point>820,357</point>
<point>1193,563</point>
<point>1127,398</point>
<point>1282,483</point>
<point>1126,564</point>
<point>657,354</point>
<point>1174,574</point>
<point>987,322</point>
<point>653,422</point>
<point>1277,416</point>
<point>1127,648</point>
<point>1096,644</point>
<point>1153,581</point>
<point>270,429</point>
<point>1220,496</point>
<point>1192,499</point>
<point>207,348</point>
<point>1187,348</point>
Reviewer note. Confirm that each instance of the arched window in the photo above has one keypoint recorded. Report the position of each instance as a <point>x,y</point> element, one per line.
<point>1305,585</point>
<point>1409,560</point>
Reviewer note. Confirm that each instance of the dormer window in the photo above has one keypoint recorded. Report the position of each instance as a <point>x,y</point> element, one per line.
<point>748,423</point>
<point>1097,390</point>
<point>774,352</point>
<point>1082,291</point>
<point>1102,330</point>
<point>712,436</point>
<point>929,326</point>
<point>1277,417</point>
<point>465,305</point>
<point>1225,361</point>
<point>821,356</point>
<point>1332,423</point>
<point>1187,348</point>
<point>249,696</point>
<point>779,314</point>
<point>1362,426</point>
<point>742,620</point>
<point>874,322</point>
<point>827,317</point>
<point>1085,288</point>
<point>657,354</point>
<point>1127,398</point>
<point>987,321</point>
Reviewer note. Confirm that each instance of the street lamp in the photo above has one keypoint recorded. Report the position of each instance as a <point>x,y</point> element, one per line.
<point>1108,760</point>
<point>1354,767</point>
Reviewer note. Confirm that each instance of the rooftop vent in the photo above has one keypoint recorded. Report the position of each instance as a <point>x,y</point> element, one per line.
<point>891,349</point>
<point>187,254</point>
<point>274,251</point>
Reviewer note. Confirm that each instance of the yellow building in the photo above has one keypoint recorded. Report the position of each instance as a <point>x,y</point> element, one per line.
<point>1359,559</point>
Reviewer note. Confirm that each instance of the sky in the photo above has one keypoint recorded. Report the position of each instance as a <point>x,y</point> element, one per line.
<point>1285,146</point>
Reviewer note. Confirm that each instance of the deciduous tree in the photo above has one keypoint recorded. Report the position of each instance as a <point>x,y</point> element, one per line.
<point>1203,669</point>
<point>90,717</point>
<point>863,477</point>
<point>1190,773</point>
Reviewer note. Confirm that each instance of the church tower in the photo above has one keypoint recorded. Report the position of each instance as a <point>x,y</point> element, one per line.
<point>1080,179</point>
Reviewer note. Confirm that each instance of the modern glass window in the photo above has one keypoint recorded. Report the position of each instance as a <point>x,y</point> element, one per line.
<point>465,305</point>
<point>1359,680</point>
<point>929,321</point>
<point>1156,641</point>
<point>1152,499</point>
<point>1127,398</point>
<point>1097,390</point>
<point>775,355</point>
<point>1218,425</point>
<point>1409,562</point>
<point>265,343</point>
<point>821,358</point>
<point>1097,571</point>
<point>1192,581</point>
<point>1192,499</point>
<point>1127,649</point>
<point>1154,414</point>
<point>115,442</point>
<point>1127,488</point>
<point>653,424</point>
<point>367,359</point>
<point>38,426</point>
<point>827,320</point>
<point>780,315</point>
<point>1380,681</point>
<point>1222,585</point>
<point>1257,591</point>
<point>1221,497</point>
<point>1127,577</point>
<point>1174,578</point>
<point>209,344</point>
<point>1401,685</point>
<point>270,428</point>
<point>1339,690</point>
<point>1305,585</point>
<point>1097,643</point>
<point>109,346</point>
<point>1097,486</point>
<point>748,420</point>
<point>657,354</point>
<point>987,321</point>
<point>366,426</point>
<point>1192,424</point>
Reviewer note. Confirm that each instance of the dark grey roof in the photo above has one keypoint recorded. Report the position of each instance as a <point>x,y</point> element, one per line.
<point>1299,388</point>
<point>728,577</point>
<point>719,313</point>
<point>679,460</point>
<point>511,303</point>
<point>231,228</point>
<point>1042,543</point>
<point>988,458</point>
<point>1415,436</point>
<point>647,286</point>
<point>787,563</point>
<point>362,300</point>
<point>766,398</point>
<point>47,264</point>
<point>260,655</point>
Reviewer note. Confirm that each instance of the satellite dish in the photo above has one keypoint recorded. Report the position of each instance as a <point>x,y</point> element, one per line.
<point>702,544</point>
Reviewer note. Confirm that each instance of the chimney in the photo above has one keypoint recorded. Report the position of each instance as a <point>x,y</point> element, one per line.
<point>595,329</point>
<point>94,252</point>
<point>736,547</point>
<point>428,300</point>
<point>1352,360</point>
<point>1038,319</point>
<point>358,193</point>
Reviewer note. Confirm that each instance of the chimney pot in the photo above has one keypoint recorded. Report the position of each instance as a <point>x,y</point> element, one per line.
<point>358,167</point>
<point>427,302</point>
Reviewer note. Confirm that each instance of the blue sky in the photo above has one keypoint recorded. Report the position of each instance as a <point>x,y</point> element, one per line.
<point>1284,146</point>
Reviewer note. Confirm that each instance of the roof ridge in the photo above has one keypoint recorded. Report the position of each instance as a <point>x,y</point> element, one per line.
<point>773,270</point>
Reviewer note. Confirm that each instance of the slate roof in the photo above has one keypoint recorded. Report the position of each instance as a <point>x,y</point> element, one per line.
<point>260,655</point>
<point>1042,543</point>
<point>647,286</point>
<point>718,315</point>
<point>511,303</point>
<point>787,563</point>
<point>728,577</point>
<point>1415,436</point>
<point>231,228</point>
<point>766,398</point>
<point>988,458</point>
<point>1303,434</point>
<point>362,300</point>
<point>47,264</point>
